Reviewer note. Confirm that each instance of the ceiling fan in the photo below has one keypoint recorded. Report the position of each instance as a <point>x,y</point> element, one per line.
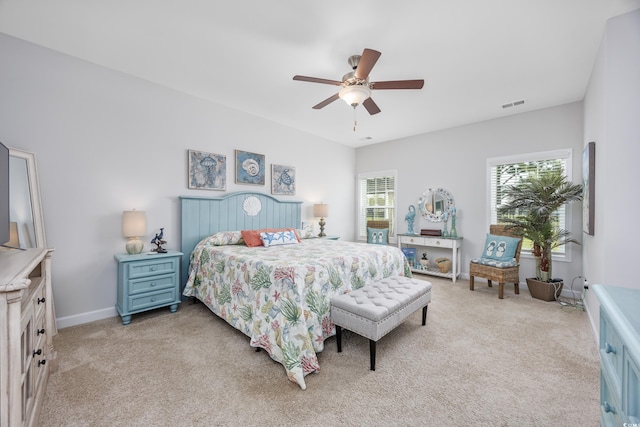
<point>356,87</point>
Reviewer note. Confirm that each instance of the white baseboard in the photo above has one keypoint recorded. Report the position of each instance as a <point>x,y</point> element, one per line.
<point>91,316</point>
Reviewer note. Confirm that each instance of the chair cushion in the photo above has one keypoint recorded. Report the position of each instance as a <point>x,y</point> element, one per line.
<point>501,248</point>
<point>377,236</point>
<point>495,263</point>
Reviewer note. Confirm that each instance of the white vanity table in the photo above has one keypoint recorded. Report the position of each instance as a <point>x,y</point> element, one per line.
<point>435,205</point>
<point>418,241</point>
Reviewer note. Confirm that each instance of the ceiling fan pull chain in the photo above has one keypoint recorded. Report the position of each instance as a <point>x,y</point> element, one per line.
<point>355,119</point>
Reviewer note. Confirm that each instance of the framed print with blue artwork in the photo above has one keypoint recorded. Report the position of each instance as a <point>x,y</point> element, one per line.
<point>249,168</point>
<point>207,171</point>
<point>283,180</point>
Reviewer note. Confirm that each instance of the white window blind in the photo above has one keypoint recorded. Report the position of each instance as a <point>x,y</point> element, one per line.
<point>506,171</point>
<point>376,200</point>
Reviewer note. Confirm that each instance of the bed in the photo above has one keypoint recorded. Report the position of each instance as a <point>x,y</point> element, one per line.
<point>277,295</point>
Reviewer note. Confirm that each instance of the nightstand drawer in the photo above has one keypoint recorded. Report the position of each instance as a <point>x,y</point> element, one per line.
<point>152,299</point>
<point>152,267</point>
<point>152,283</point>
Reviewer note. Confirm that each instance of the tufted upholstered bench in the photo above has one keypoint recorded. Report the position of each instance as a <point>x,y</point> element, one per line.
<point>376,309</point>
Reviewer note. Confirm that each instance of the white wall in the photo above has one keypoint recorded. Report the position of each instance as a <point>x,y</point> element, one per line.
<point>107,142</point>
<point>612,120</point>
<point>456,159</point>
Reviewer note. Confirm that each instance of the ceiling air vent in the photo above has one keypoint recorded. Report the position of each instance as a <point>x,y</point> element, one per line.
<point>513,103</point>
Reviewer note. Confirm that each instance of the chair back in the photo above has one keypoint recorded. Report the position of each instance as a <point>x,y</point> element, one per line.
<point>379,224</point>
<point>501,230</point>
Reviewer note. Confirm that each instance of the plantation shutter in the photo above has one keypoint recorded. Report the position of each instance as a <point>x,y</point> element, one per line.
<point>504,172</point>
<point>377,198</point>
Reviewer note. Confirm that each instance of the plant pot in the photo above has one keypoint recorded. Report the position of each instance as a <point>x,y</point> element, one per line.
<point>546,291</point>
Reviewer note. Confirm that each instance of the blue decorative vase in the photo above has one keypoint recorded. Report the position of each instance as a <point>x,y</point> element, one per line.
<point>445,232</point>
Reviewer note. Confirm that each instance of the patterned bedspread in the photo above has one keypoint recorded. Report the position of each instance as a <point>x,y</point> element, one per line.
<point>279,296</point>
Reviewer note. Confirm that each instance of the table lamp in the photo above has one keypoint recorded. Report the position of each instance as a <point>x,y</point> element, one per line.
<point>134,225</point>
<point>321,210</point>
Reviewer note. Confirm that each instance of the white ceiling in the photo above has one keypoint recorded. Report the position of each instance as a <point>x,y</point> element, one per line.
<point>473,55</point>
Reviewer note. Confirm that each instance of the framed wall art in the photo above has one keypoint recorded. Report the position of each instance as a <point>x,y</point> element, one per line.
<point>249,168</point>
<point>207,171</point>
<point>588,188</point>
<point>283,180</point>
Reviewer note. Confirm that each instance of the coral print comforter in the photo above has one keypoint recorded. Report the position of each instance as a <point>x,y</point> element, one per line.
<point>279,295</point>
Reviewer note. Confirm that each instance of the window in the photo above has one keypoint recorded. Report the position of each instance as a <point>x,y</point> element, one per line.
<point>376,200</point>
<point>505,171</point>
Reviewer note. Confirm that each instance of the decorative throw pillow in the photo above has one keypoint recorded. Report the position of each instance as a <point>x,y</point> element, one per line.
<point>224,238</point>
<point>305,233</point>
<point>377,236</point>
<point>277,238</point>
<point>501,248</point>
<point>252,237</point>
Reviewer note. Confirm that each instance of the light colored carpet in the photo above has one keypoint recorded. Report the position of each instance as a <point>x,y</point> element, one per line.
<point>479,361</point>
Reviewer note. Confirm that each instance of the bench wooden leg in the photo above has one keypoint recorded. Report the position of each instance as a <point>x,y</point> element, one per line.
<point>489,283</point>
<point>339,338</point>
<point>501,290</point>
<point>372,354</point>
<point>471,283</point>
<point>424,315</point>
<point>516,287</point>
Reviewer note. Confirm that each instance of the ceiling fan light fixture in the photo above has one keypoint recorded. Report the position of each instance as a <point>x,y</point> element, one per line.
<point>355,95</point>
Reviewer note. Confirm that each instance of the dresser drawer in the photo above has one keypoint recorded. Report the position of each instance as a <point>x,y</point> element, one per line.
<point>152,283</point>
<point>610,346</point>
<point>609,408</point>
<point>152,299</point>
<point>152,267</point>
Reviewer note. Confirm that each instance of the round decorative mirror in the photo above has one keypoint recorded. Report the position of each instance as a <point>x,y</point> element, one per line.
<point>434,203</point>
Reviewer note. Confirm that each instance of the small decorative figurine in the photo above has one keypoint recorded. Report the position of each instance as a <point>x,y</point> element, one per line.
<point>409,218</point>
<point>424,262</point>
<point>159,241</point>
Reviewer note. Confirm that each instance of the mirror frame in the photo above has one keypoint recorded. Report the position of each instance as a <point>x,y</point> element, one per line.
<point>430,216</point>
<point>34,195</point>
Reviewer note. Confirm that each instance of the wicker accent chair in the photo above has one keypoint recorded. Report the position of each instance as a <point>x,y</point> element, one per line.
<point>383,224</point>
<point>501,275</point>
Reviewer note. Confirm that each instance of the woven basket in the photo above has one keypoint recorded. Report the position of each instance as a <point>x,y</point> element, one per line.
<point>443,264</point>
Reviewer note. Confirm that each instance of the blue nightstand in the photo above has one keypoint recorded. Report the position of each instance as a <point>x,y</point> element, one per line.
<point>146,282</point>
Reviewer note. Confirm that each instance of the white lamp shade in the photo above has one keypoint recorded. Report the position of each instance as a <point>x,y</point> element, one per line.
<point>134,223</point>
<point>355,95</point>
<point>321,210</point>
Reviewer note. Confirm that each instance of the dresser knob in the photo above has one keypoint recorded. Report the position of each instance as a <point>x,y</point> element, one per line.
<point>41,300</point>
<point>153,284</point>
<point>608,348</point>
<point>37,352</point>
<point>153,268</point>
<point>153,299</point>
<point>608,408</point>
<point>41,362</point>
<point>40,331</point>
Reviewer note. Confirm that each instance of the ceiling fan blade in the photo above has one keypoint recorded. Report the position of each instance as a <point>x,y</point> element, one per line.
<point>367,61</point>
<point>398,84</point>
<point>371,106</point>
<point>317,80</point>
<point>326,102</point>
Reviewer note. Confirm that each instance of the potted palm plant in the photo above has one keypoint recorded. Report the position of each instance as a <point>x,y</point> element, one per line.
<point>528,209</point>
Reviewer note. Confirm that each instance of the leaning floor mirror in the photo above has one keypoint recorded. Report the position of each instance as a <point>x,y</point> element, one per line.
<point>25,208</point>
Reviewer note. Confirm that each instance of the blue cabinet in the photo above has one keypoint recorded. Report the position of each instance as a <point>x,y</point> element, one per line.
<point>619,355</point>
<point>146,282</point>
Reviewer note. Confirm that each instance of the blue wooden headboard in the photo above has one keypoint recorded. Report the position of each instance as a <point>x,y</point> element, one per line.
<point>202,217</point>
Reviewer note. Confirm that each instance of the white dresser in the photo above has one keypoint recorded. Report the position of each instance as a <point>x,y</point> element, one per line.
<point>451,248</point>
<point>619,355</point>
<point>27,326</point>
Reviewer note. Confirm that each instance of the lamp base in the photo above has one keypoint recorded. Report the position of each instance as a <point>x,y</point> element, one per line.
<point>134,246</point>
<point>322,224</point>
